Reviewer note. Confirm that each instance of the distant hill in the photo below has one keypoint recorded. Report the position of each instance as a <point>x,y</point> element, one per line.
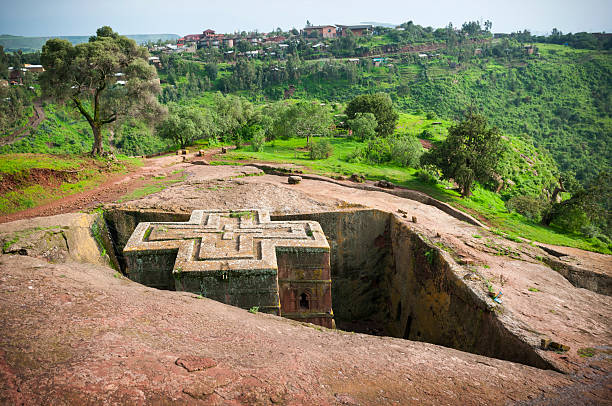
<point>31,44</point>
<point>377,24</point>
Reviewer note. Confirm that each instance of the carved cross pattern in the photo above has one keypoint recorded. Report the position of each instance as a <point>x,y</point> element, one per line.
<point>223,240</point>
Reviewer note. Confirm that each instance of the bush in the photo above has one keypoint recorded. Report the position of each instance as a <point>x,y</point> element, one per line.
<point>428,174</point>
<point>531,207</point>
<point>258,141</point>
<point>378,151</point>
<point>321,149</point>
<point>572,219</point>
<point>406,151</point>
<point>356,156</point>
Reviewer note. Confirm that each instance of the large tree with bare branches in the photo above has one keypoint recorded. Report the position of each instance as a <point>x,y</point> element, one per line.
<point>106,78</point>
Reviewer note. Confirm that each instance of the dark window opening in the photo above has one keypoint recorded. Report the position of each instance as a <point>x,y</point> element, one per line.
<point>408,326</point>
<point>304,301</point>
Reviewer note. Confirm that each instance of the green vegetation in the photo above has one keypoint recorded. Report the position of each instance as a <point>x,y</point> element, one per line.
<point>486,205</point>
<point>156,185</point>
<point>470,153</point>
<point>586,352</point>
<point>184,125</point>
<point>551,103</point>
<point>241,214</point>
<point>33,179</point>
<point>102,96</point>
<point>380,106</point>
<point>254,309</point>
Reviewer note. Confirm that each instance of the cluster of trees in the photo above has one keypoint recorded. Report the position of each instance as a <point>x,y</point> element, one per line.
<point>579,40</point>
<point>16,60</point>
<point>15,101</point>
<point>234,119</point>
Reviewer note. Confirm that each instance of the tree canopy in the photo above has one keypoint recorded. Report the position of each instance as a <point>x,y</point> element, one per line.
<point>308,119</point>
<point>106,78</point>
<point>470,153</point>
<point>363,125</point>
<point>378,104</point>
<point>589,206</point>
<point>186,124</point>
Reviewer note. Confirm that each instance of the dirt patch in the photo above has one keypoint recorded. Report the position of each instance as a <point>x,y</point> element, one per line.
<point>47,178</point>
<point>426,144</point>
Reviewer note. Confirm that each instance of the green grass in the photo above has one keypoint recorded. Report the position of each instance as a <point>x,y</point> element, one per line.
<point>286,151</point>
<point>414,124</point>
<point>14,163</point>
<point>485,205</point>
<point>26,194</point>
<point>158,184</point>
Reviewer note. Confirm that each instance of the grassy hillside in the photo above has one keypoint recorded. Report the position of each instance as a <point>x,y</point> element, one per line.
<point>29,180</point>
<point>560,98</point>
<point>484,204</point>
<point>66,132</point>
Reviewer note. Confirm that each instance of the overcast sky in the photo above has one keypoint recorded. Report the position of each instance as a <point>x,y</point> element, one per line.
<point>82,17</point>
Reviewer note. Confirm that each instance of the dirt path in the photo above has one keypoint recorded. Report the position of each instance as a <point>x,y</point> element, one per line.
<point>29,128</point>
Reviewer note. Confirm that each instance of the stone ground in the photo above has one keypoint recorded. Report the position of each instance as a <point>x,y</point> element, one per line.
<point>80,334</point>
<point>74,333</point>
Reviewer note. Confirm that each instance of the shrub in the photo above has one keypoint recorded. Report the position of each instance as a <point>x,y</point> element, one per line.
<point>406,151</point>
<point>321,149</point>
<point>356,156</point>
<point>258,141</point>
<point>531,207</point>
<point>377,151</point>
<point>428,174</point>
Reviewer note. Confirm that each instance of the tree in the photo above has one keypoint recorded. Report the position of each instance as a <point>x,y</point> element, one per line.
<point>378,104</point>
<point>308,119</point>
<point>185,125</point>
<point>471,27</point>
<point>211,70</point>
<point>3,64</point>
<point>243,46</point>
<point>363,125</point>
<point>589,205</point>
<point>470,153</point>
<point>231,114</point>
<point>86,74</point>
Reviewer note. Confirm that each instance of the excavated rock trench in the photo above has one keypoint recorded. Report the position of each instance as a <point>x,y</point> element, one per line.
<point>386,280</point>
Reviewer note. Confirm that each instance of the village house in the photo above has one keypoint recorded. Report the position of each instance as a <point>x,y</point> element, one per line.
<point>210,39</point>
<point>357,30</point>
<point>34,68</point>
<point>274,40</point>
<point>16,75</point>
<point>326,31</point>
<point>155,61</point>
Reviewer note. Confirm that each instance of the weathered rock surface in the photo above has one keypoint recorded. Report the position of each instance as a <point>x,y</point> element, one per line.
<point>78,334</point>
<point>294,180</point>
<point>61,238</point>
